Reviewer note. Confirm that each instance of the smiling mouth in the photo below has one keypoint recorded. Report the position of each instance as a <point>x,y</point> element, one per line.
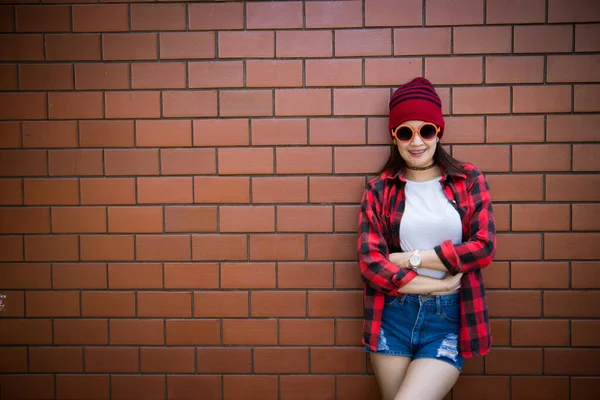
<point>417,152</point>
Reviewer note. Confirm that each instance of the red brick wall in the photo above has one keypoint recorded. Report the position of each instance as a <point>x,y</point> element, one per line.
<point>179,189</point>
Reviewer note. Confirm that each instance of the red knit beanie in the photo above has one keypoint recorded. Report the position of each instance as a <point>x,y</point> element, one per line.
<point>416,100</point>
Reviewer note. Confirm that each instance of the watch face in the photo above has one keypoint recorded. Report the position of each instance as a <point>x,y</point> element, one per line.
<point>415,260</point>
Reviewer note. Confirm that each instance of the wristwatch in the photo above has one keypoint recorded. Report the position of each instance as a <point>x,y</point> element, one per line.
<point>415,260</point>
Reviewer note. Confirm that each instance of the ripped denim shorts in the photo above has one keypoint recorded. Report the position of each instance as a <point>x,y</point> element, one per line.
<point>421,326</point>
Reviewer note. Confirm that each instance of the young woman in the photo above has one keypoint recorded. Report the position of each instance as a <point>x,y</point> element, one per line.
<point>426,229</point>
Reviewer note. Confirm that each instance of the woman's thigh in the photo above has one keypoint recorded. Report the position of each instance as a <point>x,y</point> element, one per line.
<point>390,371</point>
<point>427,379</point>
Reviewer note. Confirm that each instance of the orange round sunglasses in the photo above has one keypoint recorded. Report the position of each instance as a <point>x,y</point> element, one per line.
<point>405,133</point>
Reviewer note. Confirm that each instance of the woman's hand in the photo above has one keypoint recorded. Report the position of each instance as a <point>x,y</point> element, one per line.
<point>452,281</point>
<point>400,259</point>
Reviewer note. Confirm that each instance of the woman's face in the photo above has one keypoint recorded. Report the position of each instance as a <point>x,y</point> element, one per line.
<point>417,152</point>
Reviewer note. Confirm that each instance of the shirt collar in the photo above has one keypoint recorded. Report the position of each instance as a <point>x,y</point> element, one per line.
<point>445,174</point>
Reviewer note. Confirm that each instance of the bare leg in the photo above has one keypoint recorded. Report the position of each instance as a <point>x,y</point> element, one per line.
<point>427,379</point>
<point>390,371</point>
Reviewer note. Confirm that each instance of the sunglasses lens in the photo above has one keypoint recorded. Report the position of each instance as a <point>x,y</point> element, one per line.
<point>404,134</point>
<point>428,132</point>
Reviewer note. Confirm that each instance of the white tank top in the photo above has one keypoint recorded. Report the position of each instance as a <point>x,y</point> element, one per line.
<point>428,220</point>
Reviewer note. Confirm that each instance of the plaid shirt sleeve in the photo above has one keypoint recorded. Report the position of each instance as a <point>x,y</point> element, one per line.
<point>478,251</point>
<point>373,254</point>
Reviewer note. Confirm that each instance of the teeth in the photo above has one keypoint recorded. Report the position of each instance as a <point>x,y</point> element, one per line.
<point>417,152</point>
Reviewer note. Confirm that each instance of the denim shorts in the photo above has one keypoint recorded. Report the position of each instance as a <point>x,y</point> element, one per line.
<point>421,326</point>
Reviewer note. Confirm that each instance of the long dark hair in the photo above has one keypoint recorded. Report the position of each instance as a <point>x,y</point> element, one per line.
<point>396,163</point>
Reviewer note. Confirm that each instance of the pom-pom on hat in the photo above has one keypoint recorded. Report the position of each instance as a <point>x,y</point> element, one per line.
<point>416,100</point>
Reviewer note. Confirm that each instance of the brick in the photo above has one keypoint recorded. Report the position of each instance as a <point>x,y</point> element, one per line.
<point>22,47</point>
<point>246,44</point>
<point>279,190</point>
<point>301,102</point>
<point>22,331</point>
<point>586,217</point>
<point>573,11</point>
<point>135,276</point>
<point>159,190</point>
<point>22,106</point>
<point>586,157</point>
<point>449,12</point>
<point>334,72</point>
<point>81,386</point>
<point>51,248</point>
<point>585,275</point>
<point>304,219</point>
<point>269,131</point>
<point>507,303</point>
<point>477,40</point>
<point>334,304</point>
<point>497,276</point>
<point>274,15</point>
<point>55,359</point>
<point>273,73</point>
<point>345,159</point>
<point>386,72</point>
<point>107,191</point>
<point>132,104</point>
<point>541,158</point>
<point>571,304</point>
<point>304,160</point>
<point>188,161</point>
<point>219,16</point>
<point>304,44</point>
<point>24,220</point>
<point>182,332</point>
<point>33,386</point>
<point>363,42</point>
<point>295,387</point>
<point>335,14</point>
<point>337,131</point>
<point>250,332</point>
<point>306,332</point>
<point>219,304</point>
<point>25,276</point>
<point>578,68</point>
<point>539,387</point>
<point>224,360</point>
<point>221,132</point>
<point>190,219</point>
<point>130,46</point>
<point>52,304</point>
<point>563,246</point>
<point>14,305</point>
<point>540,217</point>
<point>79,276</point>
<point>187,45</point>
<point>106,133</point>
<point>215,74</point>
<point>12,248</point>
<point>543,39</point>
<point>487,158</point>
<point>259,387</point>
<point>346,218</point>
<point>7,19</point>
<point>392,13</point>
<point>502,216</point>
<point>363,386</point>
<point>81,331</point>
<point>278,304</point>
<point>93,248</point>
<point>219,247</point>
<point>245,161</point>
<point>572,188</point>
<point>481,100</point>
<point>78,219</point>
<point>14,359</point>
<point>336,189</point>
<point>131,162</point>
<point>587,98</point>
<point>45,77</point>
<point>286,247</point>
<point>209,189</point>
<point>348,332</point>
<point>167,75</point>
<point>115,360</point>
<point>331,247</point>
<point>151,133</point>
<point>163,248</point>
<point>253,103</point>
<point>304,275</point>
<point>522,246</point>
<point>172,360</point>
<point>189,104</point>
<point>454,70</point>
<point>47,19</point>
<point>164,304</point>
<point>49,134</point>
<point>540,333</point>
<point>10,133</point>
<point>334,360</point>
<point>247,219</point>
<point>158,17</point>
<point>73,47</point>
<point>571,361</point>
<point>584,387</point>
<point>368,101</point>
<point>585,333</point>
<point>584,37</point>
<point>136,332</point>
<point>277,360</point>
<point>137,387</point>
<point>515,12</point>
<point>75,162</point>
<point>517,361</point>
<point>519,69</point>
<point>346,276</point>
<point>75,105</point>
<point>191,276</point>
<point>515,129</point>
<point>419,41</point>
<point>100,18</point>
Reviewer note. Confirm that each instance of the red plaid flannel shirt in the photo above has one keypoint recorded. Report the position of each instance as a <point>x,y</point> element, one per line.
<point>379,235</point>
